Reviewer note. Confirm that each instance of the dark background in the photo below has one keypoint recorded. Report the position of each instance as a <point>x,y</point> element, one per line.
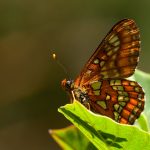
<point>30,91</point>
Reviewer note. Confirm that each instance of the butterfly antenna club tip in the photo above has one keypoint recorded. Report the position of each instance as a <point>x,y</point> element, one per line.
<point>62,66</point>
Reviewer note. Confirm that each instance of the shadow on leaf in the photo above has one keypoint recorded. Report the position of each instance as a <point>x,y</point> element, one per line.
<point>107,138</point>
<point>112,140</point>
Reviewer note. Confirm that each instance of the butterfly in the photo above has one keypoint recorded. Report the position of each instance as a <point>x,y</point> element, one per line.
<point>101,86</point>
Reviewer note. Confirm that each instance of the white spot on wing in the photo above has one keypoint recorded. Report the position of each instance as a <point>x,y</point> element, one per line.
<point>116,43</point>
<point>115,38</point>
<point>96,61</point>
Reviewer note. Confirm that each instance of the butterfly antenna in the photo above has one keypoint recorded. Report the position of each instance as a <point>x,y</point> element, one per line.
<point>54,57</point>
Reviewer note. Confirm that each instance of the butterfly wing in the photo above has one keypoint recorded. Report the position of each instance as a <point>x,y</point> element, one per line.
<point>121,99</point>
<point>116,56</point>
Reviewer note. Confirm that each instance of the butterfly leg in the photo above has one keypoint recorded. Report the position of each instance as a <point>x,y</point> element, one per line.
<point>73,96</point>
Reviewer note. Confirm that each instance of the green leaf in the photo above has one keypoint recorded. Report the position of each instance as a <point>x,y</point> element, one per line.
<point>103,132</point>
<point>144,80</point>
<point>143,123</point>
<point>70,138</point>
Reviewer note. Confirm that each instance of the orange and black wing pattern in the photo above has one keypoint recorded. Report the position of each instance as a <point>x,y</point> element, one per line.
<point>120,99</point>
<point>116,57</point>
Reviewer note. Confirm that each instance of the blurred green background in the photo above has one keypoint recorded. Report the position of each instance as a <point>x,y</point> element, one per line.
<point>30,91</point>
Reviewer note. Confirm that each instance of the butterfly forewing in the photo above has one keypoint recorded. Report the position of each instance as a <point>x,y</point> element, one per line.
<point>116,56</point>
<point>121,99</point>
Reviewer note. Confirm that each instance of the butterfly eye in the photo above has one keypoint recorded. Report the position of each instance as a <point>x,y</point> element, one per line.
<point>69,84</point>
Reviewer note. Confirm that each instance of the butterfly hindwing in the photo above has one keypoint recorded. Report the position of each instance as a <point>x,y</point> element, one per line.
<point>116,56</point>
<point>121,100</point>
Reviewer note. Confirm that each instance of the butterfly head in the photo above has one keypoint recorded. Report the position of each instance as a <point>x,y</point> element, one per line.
<point>67,84</point>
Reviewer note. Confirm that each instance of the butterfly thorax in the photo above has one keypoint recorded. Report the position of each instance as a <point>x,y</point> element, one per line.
<point>77,93</point>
